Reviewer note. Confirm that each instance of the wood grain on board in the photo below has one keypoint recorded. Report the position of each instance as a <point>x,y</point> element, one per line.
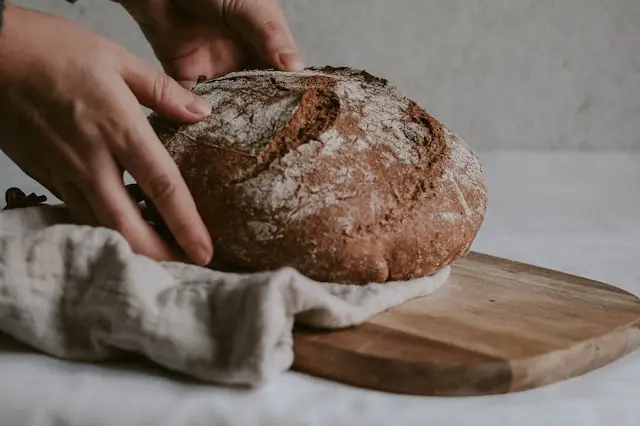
<point>497,326</point>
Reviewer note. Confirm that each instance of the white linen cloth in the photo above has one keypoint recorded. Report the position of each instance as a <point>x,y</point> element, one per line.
<point>80,293</point>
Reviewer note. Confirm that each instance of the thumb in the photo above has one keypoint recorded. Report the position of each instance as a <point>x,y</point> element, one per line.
<point>165,96</point>
<point>262,23</point>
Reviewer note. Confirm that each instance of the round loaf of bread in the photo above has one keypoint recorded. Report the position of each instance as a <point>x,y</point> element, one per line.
<point>331,171</point>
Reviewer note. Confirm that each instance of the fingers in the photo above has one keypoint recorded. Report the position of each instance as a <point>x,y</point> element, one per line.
<point>106,201</point>
<point>265,27</point>
<point>159,92</point>
<point>140,152</point>
<point>78,207</point>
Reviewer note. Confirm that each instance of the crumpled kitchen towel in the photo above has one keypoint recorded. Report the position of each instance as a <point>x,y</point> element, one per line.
<point>79,293</point>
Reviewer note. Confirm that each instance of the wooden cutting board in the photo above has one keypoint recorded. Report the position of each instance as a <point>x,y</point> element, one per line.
<point>498,326</point>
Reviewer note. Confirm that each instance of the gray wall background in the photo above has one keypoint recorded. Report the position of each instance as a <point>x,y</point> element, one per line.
<point>505,74</point>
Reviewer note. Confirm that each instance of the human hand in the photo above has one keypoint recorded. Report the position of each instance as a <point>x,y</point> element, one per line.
<point>70,117</point>
<point>210,38</point>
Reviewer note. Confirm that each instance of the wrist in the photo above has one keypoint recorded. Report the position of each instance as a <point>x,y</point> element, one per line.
<point>6,10</point>
<point>6,17</point>
<point>2,7</point>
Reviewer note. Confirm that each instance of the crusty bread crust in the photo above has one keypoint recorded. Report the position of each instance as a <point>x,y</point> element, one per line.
<point>331,171</point>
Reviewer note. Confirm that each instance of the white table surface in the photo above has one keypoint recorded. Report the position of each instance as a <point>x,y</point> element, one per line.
<point>578,213</point>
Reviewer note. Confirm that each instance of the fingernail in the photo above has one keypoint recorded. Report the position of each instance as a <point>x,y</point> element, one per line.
<point>200,254</point>
<point>199,107</point>
<point>291,61</point>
